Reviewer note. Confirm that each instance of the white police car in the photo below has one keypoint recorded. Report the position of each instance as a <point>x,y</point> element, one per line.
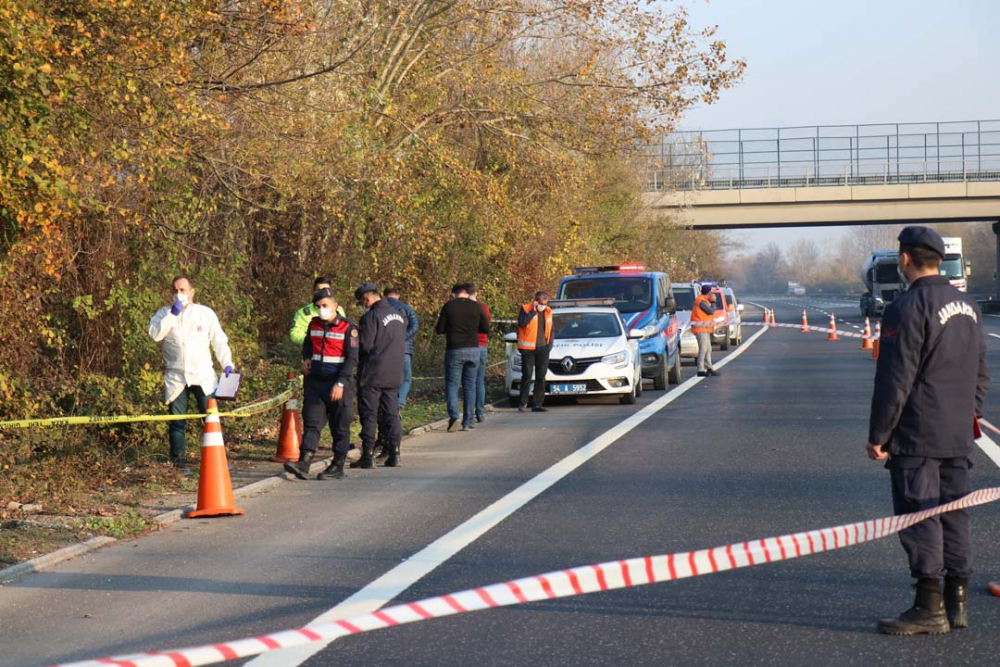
<point>592,353</point>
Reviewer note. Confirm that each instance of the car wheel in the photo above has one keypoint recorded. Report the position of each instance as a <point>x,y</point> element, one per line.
<point>660,379</point>
<point>638,382</point>
<point>725,342</point>
<point>629,398</point>
<point>675,371</point>
<point>513,401</point>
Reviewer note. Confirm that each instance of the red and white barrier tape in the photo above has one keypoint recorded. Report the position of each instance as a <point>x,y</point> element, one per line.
<point>563,583</point>
<point>840,332</point>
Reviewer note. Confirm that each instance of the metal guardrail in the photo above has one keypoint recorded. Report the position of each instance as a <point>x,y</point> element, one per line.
<point>826,156</point>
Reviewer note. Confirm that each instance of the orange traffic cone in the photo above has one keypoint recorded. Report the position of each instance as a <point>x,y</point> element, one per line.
<point>805,322</point>
<point>215,489</point>
<point>878,339</point>
<point>290,433</point>
<point>767,317</point>
<point>772,319</point>
<point>994,587</point>
<point>866,342</point>
<point>833,328</point>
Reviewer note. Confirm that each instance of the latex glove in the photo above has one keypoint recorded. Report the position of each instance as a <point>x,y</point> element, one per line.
<point>176,308</point>
<point>227,370</point>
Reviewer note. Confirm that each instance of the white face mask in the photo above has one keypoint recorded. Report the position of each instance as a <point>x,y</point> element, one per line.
<point>540,306</point>
<point>325,314</point>
<point>183,298</point>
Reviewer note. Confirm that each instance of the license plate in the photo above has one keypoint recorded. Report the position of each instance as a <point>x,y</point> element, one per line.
<point>569,388</point>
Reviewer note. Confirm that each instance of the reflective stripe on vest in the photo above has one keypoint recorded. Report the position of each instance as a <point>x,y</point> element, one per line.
<point>318,333</point>
<point>328,360</point>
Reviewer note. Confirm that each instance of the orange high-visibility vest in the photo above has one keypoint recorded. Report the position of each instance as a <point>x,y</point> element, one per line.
<point>702,322</point>
<point>527,337</point>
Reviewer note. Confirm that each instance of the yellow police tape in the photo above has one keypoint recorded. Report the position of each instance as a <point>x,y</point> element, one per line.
<point>242,411</point>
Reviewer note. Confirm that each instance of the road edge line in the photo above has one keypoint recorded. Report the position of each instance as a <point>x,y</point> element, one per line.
<point>391,584</point>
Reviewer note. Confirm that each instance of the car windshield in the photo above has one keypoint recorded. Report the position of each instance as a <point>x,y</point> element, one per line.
<point>684,297</point>
<point>888,273</point>
<point>632,294</point>
<point>585,325</point>
<point>952,266</point>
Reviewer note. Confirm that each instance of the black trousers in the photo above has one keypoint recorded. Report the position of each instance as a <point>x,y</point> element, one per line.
<point>941,545</point>
<point>534,362</point>
<point>318,409</point>
<point>379,408</point>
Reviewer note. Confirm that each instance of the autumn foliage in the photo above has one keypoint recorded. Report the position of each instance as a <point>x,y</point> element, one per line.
<point>256,143</point>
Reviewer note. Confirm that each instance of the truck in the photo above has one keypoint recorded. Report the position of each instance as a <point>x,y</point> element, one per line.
<point>880,274</point>
<point>796,289</point>
<point>954,265</point>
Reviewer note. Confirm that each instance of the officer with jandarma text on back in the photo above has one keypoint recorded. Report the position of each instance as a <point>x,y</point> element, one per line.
<point>930,384</point>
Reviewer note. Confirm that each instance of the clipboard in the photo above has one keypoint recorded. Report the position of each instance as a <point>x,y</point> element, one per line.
<point>228,386</point>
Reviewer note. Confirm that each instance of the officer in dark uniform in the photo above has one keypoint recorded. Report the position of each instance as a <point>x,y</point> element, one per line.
<point>383,348</point>
<point>930,385</point>
<point>329,358</point>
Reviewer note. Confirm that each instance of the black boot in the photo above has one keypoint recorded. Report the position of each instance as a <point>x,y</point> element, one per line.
<point>301,468</point>
<point>393,461</point>
<point>925,617</point>
<point>382,452</point>
<point>956,592</point>
<point>335,470</point>
<point>367,459</point>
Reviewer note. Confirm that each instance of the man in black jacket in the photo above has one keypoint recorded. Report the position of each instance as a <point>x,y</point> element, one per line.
<point>930,385</point>
<point>329,357</point>
<point>383,349</point>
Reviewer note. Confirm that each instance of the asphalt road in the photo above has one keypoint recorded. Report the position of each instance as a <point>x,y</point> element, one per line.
<point>773,446</point>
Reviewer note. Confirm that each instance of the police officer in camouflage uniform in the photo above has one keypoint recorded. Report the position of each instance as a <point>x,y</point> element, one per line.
<point>930,385</point>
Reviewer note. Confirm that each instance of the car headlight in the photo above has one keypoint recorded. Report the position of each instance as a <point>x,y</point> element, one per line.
<point>648,331</point>
<point>618,359</point>
<point>516,361</point>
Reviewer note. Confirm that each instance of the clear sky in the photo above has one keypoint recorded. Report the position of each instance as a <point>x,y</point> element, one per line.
<point>817,62</point>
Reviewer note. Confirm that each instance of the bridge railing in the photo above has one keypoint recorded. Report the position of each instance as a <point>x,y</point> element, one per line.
<point>826,156</point>
<point>799,176</point>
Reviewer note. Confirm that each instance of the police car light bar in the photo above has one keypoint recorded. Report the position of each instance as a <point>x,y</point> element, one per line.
<point>612,268</point>
<point>576,303</point>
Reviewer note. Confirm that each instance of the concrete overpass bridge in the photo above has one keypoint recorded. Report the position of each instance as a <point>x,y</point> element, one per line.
<point>831,175</point>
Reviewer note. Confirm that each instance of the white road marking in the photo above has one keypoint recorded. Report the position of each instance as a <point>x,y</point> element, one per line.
<point>394,582</point>
<point>994,335</point>
<point>989,448</point>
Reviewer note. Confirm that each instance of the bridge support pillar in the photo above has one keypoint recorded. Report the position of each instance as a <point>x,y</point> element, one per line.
<point>996,274</point>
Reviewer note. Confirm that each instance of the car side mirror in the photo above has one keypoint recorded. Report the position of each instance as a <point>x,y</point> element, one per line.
<point>636,334</point>
<point>739,307</point>
<point>671,305</point>
<point>510,337</point>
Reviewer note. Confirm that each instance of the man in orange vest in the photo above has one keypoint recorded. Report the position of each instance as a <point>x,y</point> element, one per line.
<point>534,335</point>
<point>703,326</point>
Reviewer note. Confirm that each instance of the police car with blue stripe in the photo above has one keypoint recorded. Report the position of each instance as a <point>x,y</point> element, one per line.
<point>646,302</point>
<point>592,353</point>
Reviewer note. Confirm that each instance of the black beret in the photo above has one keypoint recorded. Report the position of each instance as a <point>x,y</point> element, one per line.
<point>325,293</point>
<point>922,237</point>
<point>364,289</point>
